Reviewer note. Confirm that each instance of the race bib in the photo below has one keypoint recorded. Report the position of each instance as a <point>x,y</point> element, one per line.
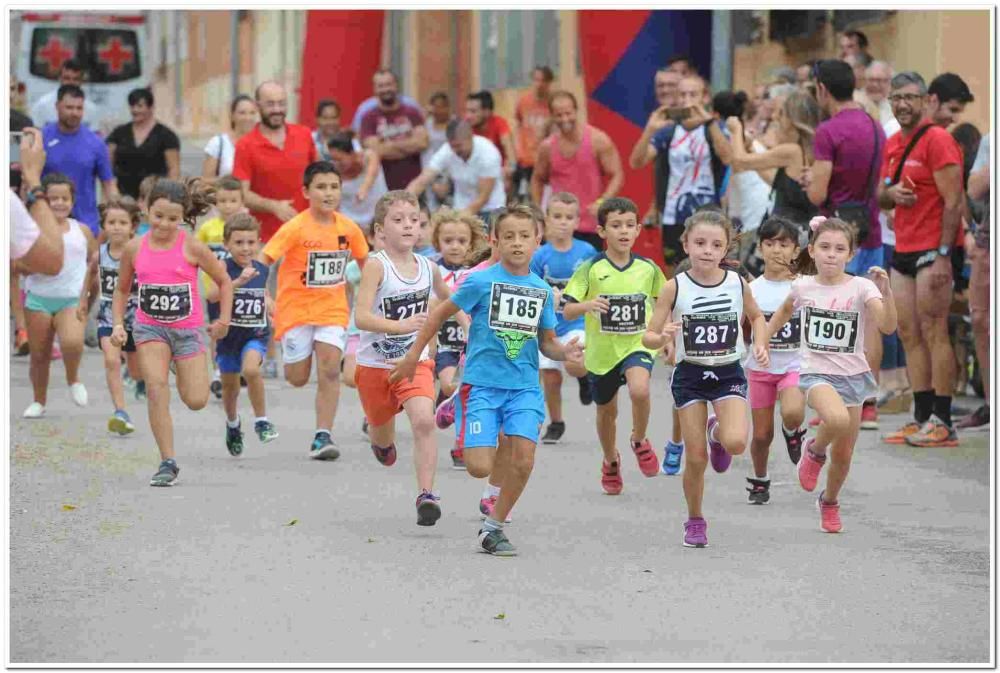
<point>109,281</point>
<point>829,331</point>
<point>709,334</point>
<point>249,308</point>
<point>406,305</point>
<point>166,303</point>
<point>626,314</point>
<point>326,268</point>
<point>516,308</point>
<point>451,336</point>
<point>789,336</point>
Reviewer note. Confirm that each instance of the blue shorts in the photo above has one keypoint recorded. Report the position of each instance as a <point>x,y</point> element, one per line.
<point>694,383</point>
<point>129,346</point>
<point>605,386</point>
<point>49,305</point>
<point>445,359</point>
<point>232,362</point>
<point>481,412</point>
<point>864,259</point>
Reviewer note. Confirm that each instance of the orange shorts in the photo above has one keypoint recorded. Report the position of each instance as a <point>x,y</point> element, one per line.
<point>382,400</point>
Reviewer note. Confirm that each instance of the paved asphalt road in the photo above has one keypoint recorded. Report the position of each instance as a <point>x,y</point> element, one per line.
<point>104,568</point>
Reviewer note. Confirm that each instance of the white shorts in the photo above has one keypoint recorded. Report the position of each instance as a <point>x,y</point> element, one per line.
<point>297,343</point>
<point>545,363</point>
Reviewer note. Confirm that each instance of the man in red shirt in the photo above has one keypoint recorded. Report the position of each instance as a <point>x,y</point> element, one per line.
<point>927,200</point>
<point>533,118</point>
<point>479,114</point>
<point>271,160</point>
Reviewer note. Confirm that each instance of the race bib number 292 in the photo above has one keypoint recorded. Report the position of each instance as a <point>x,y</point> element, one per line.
<point>516,308</point>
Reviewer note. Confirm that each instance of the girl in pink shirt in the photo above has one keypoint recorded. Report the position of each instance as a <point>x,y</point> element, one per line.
<point>165,261</point>
<point>835,374</point>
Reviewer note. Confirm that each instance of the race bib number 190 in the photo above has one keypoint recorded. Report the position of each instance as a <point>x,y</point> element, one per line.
<point>326,268</point>
<point>516,308</point>
<point>829,331</point>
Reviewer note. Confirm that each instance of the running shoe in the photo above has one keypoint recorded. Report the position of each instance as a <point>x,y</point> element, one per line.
<point>720,459</point>
<point>266,432</point>
<point>496,543</point>
<point>216,388</point>
<point>809,467</point>
<point>127,380</point>
<point>487,505</point>
<point>977,420</point>
<point>829,514</point>
<point>793,442</point>
<point>611,476</point>
<point>672,454</point>
<point>759,491</point>
<point>56,353</point>
<point>695,533</point>
<point>554,432</point>
<point>457,458</point>
<point>166,475</point>
<point>386,456</point>
<point>815,421</point>
<point>428,509</point>
<point>934,433</point>
<point>270,369</point>
<point>869,416</point>
<point>78,393</point>
<point>444,415</point>
<point>586,392</point>
<point>140,391</point>
<point>899,437</point>
<point>649,464</point>
<point>234,439</point>
<point>21,346</point>
<point>34,410</point>
<point>120,423</point>
<point>323,448</point>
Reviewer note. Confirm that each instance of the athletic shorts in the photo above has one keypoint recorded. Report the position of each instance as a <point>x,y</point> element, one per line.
<point>129,346</point>
<point>765,386</point>
<point>49,305</point>
<point>692,383</point>
<point>864,259</point>
<point>184,342</point>
<point>545,363</point>
<point>212,310</point>
<point>445,359</point>
<point>231,362</point>
<point>481,412</point>
<point>605,386</point>
<point>382,400</point>
<point>351,347</point>
<point>853,390</point>
<point>909,263</point>
<point>297,343</point>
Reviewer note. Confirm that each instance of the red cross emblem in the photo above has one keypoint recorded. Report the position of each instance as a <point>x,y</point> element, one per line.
<point>55,53</point>
<point>115,55</point>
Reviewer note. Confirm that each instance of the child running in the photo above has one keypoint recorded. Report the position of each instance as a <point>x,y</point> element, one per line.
<point>228,202</point>
<point>615,291</point>
<point>835,374</point>
<point>708,305</point>
<point>391,307</point>
<point>311,311</point>
<point>57,305</point>
<point>241,352</point>
<point>555,262</point>
<point>349,363</point>
<point>168,323</point>
<point>512,319</point>
<point>778,244</point>
<point>119,219</point>
<point>458,238</point>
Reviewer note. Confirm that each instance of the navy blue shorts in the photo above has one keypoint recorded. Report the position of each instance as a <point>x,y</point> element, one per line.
<point>129,346</point>
<point>445,359</point>
<point>605,386</point>
<point>694,383</point>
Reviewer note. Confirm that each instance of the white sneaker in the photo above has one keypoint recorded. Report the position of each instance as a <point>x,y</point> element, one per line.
<point>34,410</point>
<point>79,394</point>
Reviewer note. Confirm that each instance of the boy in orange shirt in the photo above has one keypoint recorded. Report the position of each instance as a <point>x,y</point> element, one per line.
<point>311,310</point>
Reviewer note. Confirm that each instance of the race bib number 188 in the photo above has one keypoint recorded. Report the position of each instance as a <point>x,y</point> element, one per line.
<point>516,308</point>
<point>326,268</point>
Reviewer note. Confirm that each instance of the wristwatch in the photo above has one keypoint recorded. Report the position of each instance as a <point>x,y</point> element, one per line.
<point>944,250</point>
<point>34,194</point>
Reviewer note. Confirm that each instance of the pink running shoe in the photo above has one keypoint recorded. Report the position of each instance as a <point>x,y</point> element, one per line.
<point>815,422</point>
<point>444,415</point>
<point>649,464</point>
<point>56,353</point>
<point>487,505</point>
<point>720,459</point>
<point>829,515</point>
<point>809,466</point>
<point>611,476</point>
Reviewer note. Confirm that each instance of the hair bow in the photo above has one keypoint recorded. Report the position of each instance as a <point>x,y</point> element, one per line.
<point>815,222</point>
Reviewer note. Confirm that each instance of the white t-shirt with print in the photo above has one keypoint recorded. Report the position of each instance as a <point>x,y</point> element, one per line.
<point>484,162</point>
<point>690,170</point>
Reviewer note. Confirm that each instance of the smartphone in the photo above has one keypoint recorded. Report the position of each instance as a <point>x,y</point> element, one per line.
<point>677,114</point>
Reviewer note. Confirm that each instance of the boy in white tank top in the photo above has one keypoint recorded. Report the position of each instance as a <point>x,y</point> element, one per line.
<point>390,307</point>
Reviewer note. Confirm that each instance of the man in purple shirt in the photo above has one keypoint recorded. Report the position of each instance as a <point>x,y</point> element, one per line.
<point>848,152</point>
<point>395,131</point>
<point>77,152</point>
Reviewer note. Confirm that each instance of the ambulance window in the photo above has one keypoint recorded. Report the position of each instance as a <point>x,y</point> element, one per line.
<point>114,55</point>
<point>108,55</point>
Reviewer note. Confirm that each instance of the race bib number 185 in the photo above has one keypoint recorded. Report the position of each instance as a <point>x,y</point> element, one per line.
<point>516,308</point>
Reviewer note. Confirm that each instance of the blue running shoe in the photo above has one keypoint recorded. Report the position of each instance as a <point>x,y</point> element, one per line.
<point>672,454</point>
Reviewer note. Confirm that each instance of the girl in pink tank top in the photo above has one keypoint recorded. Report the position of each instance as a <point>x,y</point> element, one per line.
<point>168,322</point>
<point>579,174</point>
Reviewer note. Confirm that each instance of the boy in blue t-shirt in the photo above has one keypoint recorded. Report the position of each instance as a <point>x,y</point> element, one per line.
<point>512,319</point>
<point>555,262</point>
<point>242,350</point>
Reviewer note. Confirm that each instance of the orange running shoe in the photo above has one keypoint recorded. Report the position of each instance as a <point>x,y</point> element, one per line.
<point>899,437</point>
<point>934,433</point>
<point>21,346</point>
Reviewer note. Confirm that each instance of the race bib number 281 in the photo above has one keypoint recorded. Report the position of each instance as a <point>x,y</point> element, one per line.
<point>516,308</point>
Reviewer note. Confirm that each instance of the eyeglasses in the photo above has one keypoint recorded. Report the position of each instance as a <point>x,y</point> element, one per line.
<point>905,97</point>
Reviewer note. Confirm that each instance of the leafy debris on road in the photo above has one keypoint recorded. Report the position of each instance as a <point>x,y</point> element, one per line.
<point>371,539</point>
<point>500,616</point>
<point>292,522</point>
<point>68,507</point>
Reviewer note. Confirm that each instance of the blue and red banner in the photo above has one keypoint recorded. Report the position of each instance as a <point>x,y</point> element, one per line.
<point>620,53</point>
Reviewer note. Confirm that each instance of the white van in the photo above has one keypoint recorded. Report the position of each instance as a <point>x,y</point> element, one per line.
<point>111,47</point>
